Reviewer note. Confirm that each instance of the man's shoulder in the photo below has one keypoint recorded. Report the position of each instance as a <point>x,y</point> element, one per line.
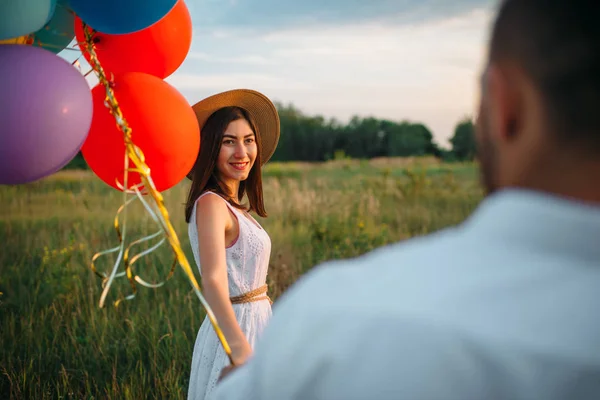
<point>346,322</point>
<point>401,257</point>
<point>372,277</point>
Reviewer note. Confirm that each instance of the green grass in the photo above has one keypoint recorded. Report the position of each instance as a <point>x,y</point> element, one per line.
<point>57,342</point>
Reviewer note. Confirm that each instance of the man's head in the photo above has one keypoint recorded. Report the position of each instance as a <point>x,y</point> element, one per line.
<point>539,116</point>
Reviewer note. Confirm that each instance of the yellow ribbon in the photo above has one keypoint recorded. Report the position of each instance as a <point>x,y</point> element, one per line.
<point>27,39</point>
<point>155,208</point>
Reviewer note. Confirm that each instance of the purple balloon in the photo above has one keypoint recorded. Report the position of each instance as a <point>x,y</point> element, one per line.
<point>45,113</point>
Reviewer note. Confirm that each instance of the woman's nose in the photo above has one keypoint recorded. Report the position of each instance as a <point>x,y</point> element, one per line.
<point>240,151</point>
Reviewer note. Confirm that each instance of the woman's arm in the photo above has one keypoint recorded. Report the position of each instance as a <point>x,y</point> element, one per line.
<point>212,220</point>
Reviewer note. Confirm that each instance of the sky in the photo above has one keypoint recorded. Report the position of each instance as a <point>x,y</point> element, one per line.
<point>416,60</point>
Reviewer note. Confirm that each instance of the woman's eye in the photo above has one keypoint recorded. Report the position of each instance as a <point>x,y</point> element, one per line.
<point>251,140</point>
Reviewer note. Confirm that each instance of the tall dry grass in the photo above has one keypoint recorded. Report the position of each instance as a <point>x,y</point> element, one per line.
<point>57,343</point>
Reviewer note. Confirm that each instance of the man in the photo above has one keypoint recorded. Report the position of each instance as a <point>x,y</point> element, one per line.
<point>505,306</point>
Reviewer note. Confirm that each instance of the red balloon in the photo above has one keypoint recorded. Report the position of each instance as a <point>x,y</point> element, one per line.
<point>163,124</point>
<point>157,50</point>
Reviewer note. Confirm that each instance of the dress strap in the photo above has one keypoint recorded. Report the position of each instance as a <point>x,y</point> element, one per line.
<point>215,194</point>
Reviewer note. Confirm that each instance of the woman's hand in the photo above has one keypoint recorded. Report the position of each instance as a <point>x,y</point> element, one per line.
<point>226,371</point>
<point>240,356</point>
<point>240,353</point>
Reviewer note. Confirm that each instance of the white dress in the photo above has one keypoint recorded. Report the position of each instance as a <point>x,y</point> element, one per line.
<point>247,264</point>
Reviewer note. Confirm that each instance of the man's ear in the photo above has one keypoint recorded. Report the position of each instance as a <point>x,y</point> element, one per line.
<point>503,106</point>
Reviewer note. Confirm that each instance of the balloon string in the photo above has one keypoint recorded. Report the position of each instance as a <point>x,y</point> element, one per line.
<point>25,39</point>
<point>135,154</point>
<point>37,42</point>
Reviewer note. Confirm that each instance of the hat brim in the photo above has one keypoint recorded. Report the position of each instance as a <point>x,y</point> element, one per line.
<point>259,106</point>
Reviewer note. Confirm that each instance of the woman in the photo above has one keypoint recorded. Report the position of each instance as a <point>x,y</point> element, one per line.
<point>239,133</point>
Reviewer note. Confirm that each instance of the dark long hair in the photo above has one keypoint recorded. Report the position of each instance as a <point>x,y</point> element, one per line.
<point>204,176</point>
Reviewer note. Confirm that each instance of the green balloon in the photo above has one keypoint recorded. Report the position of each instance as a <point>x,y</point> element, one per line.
<point>23,17</point>
<point>56,35</point>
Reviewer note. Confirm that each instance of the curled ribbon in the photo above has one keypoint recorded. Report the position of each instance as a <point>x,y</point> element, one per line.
<point>155,208</point>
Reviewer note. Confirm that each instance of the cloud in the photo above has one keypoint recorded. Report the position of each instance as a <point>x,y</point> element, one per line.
<point>402,59</point>
<point>273,15</point>
<point>211,81</point>
<point>424,72</point>
<point>244,59</point>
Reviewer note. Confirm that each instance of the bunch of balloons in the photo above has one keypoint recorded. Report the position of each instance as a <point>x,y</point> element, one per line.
<point>48,113</point>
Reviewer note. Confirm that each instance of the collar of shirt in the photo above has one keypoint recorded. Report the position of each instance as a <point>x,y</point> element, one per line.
<point>540,221</point>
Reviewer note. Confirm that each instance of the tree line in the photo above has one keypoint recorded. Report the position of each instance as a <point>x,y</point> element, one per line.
<point>314,138</point>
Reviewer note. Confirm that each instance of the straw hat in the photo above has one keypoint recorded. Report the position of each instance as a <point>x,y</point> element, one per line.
<point>256,104</point>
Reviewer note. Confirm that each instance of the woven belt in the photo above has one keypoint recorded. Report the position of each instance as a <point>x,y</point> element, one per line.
<point>254,295</point>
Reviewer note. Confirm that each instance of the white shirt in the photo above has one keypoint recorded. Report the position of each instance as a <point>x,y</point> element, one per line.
<point>504,306</point>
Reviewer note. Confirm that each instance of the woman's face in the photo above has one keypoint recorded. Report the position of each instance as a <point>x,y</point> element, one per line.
<point>238,152</point>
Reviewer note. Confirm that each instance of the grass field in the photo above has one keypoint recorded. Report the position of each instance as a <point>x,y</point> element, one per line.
<point>57,343</point>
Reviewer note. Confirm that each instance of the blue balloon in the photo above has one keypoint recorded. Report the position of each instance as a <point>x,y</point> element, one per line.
<point>22,17</point>
<point>117,17</point>
<point>58,32</point>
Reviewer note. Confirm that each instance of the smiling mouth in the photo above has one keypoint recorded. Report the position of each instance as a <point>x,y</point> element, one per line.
<point>239,166</point>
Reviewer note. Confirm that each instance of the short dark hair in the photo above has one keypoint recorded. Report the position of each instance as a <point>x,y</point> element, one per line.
<point>557,45</point>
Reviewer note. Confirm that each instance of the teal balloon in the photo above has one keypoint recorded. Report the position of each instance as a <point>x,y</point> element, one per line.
<point>24,17</point>
<point>58,32</point>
